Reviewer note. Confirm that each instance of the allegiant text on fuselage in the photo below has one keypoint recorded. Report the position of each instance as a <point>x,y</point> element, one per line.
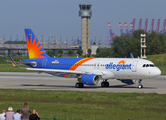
<point>118,66</point>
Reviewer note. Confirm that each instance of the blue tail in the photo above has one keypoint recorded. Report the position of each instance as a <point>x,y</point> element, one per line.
<point>35,49</point>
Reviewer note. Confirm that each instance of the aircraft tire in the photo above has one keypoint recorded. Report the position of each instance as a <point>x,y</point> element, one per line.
<point>81,85</point>
<point>140,86</point>
<point>107,84</point>
<point>102,84</point>
<point>77,85</point>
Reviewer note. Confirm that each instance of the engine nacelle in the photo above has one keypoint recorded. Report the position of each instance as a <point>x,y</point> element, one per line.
<point>128,81</point>
<point>91,79</point>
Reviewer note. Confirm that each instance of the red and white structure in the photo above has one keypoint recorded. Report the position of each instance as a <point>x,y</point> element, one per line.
<point>158,26</point>
<point>143,45</point>
<point>140,23</point>
<point>146,25</point>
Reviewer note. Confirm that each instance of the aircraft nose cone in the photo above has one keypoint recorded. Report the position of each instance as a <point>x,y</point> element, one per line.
<point>157,72</point>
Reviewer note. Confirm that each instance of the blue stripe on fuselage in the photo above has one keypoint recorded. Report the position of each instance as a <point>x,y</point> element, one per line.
<point>54,63</point>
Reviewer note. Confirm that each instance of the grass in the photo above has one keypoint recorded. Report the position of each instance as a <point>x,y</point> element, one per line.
<point>76,105</point>
<point>160,61</point>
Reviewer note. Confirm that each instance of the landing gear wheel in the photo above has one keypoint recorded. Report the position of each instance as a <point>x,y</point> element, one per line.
<point>79,85</point>
<point>102,84</point>
<point>140,86</point>
<point>105,84</point>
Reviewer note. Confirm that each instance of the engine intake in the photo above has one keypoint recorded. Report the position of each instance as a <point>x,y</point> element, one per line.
<point>91,79</point>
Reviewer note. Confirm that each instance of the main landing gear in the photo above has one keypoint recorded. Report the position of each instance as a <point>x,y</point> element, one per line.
<point>79,85</point>
<point>140,84</point>
<point>105,83</point>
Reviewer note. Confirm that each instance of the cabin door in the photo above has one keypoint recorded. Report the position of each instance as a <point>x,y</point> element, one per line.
<point>134,66</point>
<point>44,63</point>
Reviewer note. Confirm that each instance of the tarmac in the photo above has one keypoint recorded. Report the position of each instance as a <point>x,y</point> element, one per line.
<point>24,80</point>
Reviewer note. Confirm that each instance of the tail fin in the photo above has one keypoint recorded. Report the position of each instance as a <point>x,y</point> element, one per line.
<point>35,49</point>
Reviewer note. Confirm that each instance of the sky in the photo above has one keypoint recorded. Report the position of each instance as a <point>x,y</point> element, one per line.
<point>60,17</point>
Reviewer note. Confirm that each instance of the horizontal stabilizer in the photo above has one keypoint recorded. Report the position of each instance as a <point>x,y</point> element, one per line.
<point>13,63</point>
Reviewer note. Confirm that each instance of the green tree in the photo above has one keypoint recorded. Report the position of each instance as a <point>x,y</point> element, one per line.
<point>89,52</point>
<point>98,50</point>
<point>155,46</point>
<point>60,51</point>
<point>18,53</point>
<point>70,52</point>
<point>105,52</point>
<point>50,53</point>
<point>79,51</point>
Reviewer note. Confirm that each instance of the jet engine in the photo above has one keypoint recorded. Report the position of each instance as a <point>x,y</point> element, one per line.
<point>91,79</point>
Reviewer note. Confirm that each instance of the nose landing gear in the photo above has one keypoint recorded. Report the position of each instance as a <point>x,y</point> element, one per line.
<point>140,84</point>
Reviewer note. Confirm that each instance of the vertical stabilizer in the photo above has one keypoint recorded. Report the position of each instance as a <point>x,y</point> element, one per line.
<point>35,49</point>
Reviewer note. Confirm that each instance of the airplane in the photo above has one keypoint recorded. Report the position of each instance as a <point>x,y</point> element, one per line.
<point>88,71</point>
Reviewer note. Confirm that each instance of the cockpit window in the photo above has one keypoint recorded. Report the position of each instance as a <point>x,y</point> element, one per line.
<point>148,65</point>
<point>151,65</point>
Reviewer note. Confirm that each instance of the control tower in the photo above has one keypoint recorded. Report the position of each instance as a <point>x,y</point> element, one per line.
<point>85,13</point>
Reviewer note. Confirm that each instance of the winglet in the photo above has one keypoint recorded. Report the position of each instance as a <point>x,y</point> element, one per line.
<point>12,61</point>
<point>131,55</point>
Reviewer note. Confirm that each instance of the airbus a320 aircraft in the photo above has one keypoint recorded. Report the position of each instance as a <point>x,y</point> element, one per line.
<point>89,71</point>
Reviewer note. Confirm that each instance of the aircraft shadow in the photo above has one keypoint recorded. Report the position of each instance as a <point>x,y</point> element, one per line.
<point>128,86</point>
<point>87,87</point>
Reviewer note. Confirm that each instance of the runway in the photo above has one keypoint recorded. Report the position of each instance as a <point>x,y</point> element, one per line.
<point>21,80</point>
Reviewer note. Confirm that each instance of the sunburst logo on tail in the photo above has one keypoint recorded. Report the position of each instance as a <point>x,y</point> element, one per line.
<point>34,48</point>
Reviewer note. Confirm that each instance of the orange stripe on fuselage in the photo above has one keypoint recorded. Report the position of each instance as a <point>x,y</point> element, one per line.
<point>80,63</point>
<point>77,65</point>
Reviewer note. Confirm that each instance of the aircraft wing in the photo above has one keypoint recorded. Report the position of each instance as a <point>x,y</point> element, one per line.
<point>63,71</point>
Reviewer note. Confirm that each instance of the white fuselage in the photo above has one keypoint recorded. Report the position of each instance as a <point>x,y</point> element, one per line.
<point>127,69</point>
